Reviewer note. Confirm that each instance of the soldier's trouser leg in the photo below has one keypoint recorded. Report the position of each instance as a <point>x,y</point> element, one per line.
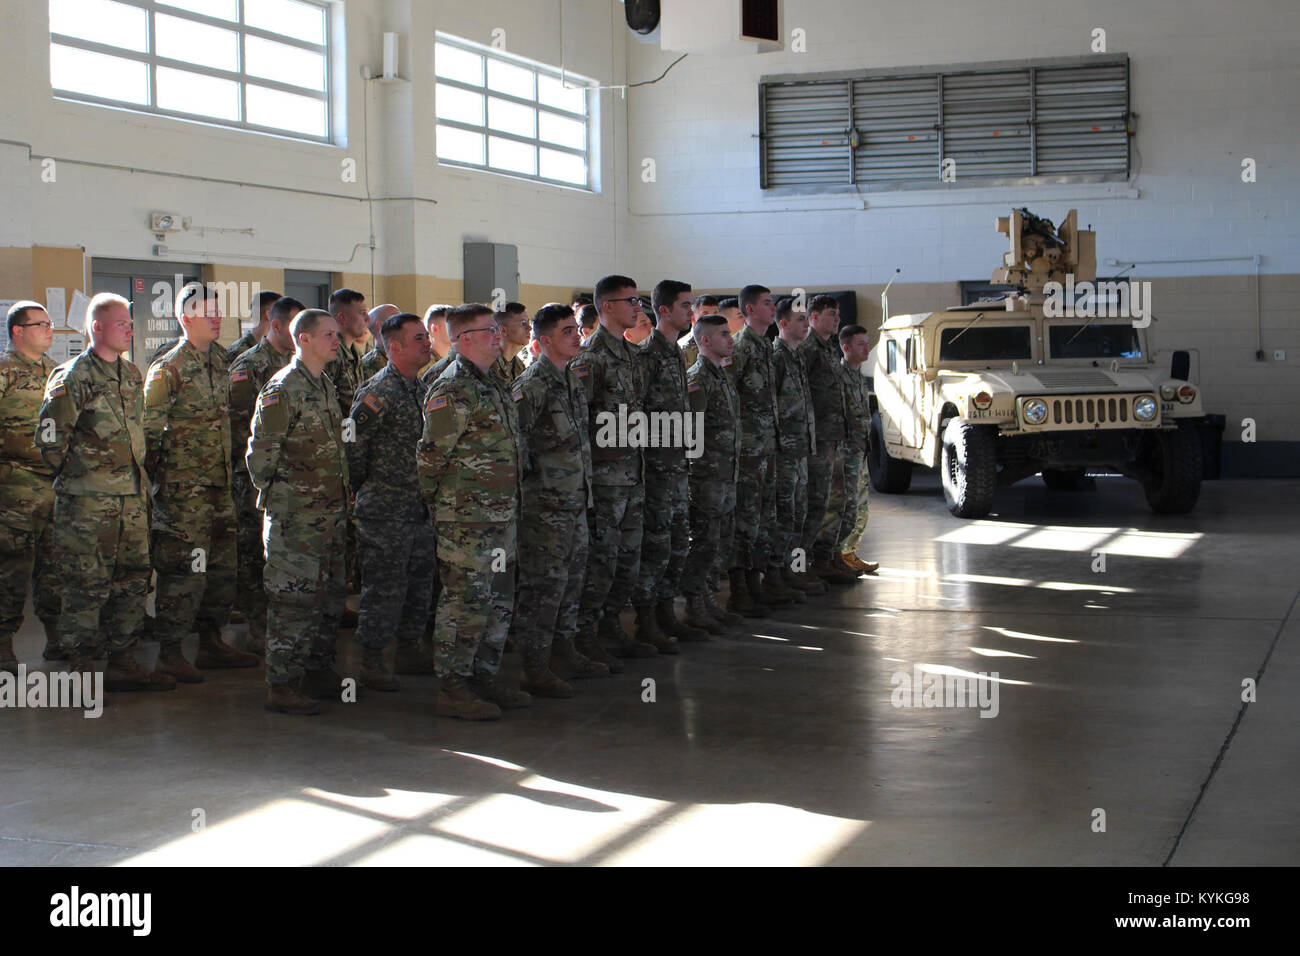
<point>101,546</point>
<point>192,548</point>
<point>665,538</point>
<point>791,505</point>
<point>397,559</point>
<point>767,541</point>
<point>857,526</point>
<point>604,535</point>
<point>710,505</point>
<point>750,488</point>
<point>821,472</point>
<point>305,591</point>
<point>26,540</point>
<point>477,563</point>
<point>251,597</point>
<point>553,556</point>
<point>631,531</point>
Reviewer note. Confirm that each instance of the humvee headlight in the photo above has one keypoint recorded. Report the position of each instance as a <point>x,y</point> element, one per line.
<point>1145,408</point>
<point>983,400</point>
<point>1186,394</point>
<point>1035,411</point>
<point>1168,392</point>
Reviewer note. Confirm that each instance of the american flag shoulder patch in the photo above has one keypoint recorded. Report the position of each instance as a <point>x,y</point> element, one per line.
<point>726,361</point>
<point>693,387</point>
<point>239,375</point>
<point>518,392</point>
<point>57,391</point>
<point>272,398</point>
<point>373,402</point>
<point>435,402</point>
<point>582,371</point>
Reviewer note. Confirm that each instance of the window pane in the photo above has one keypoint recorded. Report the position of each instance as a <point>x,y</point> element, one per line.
<point>565,167</point>
<point>506,154</point>
<point>284,63</point>
<point>196,43</point>
<point>512,117</point>
<point>508,78</point>
<point>102,21</point>
<point>302,21</point>
<point>551,92</point>
<point>287,111</point>
<point>565,132</point>
<point>460,105</point>
<point>457,64</point>
<point>222,9</point>
<point>198,94</point>
<point>79,71</point>
<point>459,146</point>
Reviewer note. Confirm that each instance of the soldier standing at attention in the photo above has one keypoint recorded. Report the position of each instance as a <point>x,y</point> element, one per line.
<point>704,305</point>
<point>556,494</point>
<point>798,438</point>
<point>821,365</point>
<point>469,463</point>
<point>249,373</point>
<point>260,307</point>
<point>588,320</point>
<point>395,542</point>
<point>515,329</point>
<point>348,307</point>
<point>90,432</point>
<point>714,474</point>
<point>855,343</point>
<point>26,484</point>
<point>298,464</point>
<point>611,378</point>
<point>187,456</point>
<point>667,535</point>
<point>377,357</point>
<point>435,320</point>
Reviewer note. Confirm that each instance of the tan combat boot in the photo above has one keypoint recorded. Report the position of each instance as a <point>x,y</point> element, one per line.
<point>741,601</point>
<point>565,656</point>
<point>647,631</point>
<point>500,690</point>
<point>8,663</point>
<point>53,651</point>
<point>774,586</point>
<point>286,699</point>
<point>542,682</point>
<point>720,614</point>
<point>697,615</point>
<point>172,663</point>
<point>215,653</point>
<point>851,559</point>
<point>455,699</point>
<point>374,670</point>
<point>610,631</point>
<point>255,639</point>
<point>124,673</point>
<point>666,616</point>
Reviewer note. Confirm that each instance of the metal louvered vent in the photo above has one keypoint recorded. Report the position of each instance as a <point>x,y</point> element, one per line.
<point>1064,118</point>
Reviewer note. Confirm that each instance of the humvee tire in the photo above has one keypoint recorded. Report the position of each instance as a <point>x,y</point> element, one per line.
<point>1175,480</point>
<point>889,476</point>
<point>1063,479</point>
<point>969,468</point>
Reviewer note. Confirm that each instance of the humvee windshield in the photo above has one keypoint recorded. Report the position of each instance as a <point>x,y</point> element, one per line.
<point>985,343</point>
<point>1095,341</point>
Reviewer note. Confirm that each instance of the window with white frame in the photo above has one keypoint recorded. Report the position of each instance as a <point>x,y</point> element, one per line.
<point>252,64</point>
<point>508,115</point>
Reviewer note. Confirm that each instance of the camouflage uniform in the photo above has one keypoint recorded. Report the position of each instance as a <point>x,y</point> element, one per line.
<point>751,373</point>
<point>714,474</point>
<point>249,373</point>
<point>95,447</point>
<point>345,373</point>
<point>469,462</point>
<point>374,361</point>
<point>821,365</point>
<point>432,373</point>
<point>434,359</point>
<point>798,438</point>
<point>26,496</point>
<point>428,376</point>
<point>509,369</point>
<point>240,346</point>
<point>164,349</point>
<point>394,530</point>
<point>690,351</point>
<point>298,464</point>
<point>187,457</point>
<point>610,375</point>
<point>556,451</point>
<point>666,538</point>
<point>850,494</point>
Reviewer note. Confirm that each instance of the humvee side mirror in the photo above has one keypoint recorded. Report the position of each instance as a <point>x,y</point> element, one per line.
<point>1181,366</point>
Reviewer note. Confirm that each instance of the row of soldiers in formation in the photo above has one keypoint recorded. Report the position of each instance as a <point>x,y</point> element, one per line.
<point>473,479</point>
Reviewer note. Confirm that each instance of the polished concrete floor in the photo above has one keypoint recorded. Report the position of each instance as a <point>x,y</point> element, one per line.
<point>1120,735</point>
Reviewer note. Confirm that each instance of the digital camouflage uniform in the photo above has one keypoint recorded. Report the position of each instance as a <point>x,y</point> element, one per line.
<point>798,438</point>
<point>849,495</point>
<point>432,373</point>
<point>428,376</point>
<point>752,374</point>
<point>469,463</point>
<point>714,474</point>
<point>395,534</point>
<point>248,374</point>
<point>91,435</point>
<point>610,375</point>
<point>240,346</point>
<point>299,466</point>
<point>821,365</point>
<point>26,496</point>
<point>666,537</point>
<point>556,492</point>
<point>374,361</point>
<point>345,373</point>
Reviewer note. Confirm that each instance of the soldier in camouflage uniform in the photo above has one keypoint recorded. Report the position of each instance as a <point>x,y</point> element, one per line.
<point>849,495</point>
<point>797,439</point>
<point>435,320</point>
<point>394,528</point>
<point>298,464</point>
<point>515,327</point>
<point>349,310</point>
<point>713,475</point>
<point>260,307</point>
<point>187,456</point>
<point>821,365</point>
<point>612,380</point>
<point>26,483</point>
<point>90,433</point>
<point>375,360</point>
<point>556,494</point>
<point>703,305</point>
<point>249,373</point>
<point>667,534</point>
<point>751,373</point>
<point>469,462</point>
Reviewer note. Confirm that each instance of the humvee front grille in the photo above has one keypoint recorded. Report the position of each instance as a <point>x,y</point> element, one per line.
<point>1090,411</point>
